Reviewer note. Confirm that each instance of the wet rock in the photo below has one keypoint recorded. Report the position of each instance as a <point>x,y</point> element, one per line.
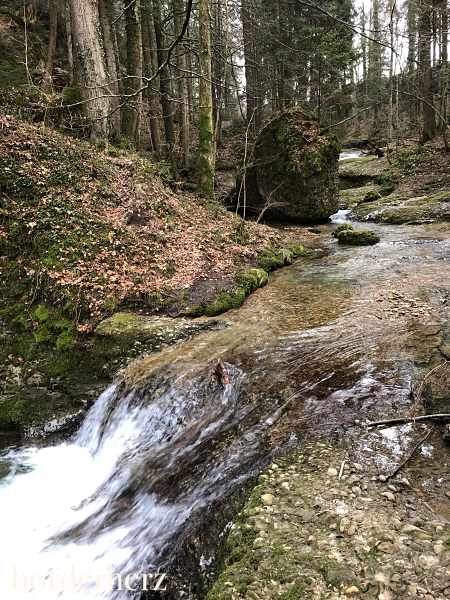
<point>358,237</point>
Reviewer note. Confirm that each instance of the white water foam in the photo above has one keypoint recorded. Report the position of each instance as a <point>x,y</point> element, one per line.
<point>56,518</point>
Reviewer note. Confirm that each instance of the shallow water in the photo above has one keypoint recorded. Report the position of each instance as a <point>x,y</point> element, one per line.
<point>166,449</point>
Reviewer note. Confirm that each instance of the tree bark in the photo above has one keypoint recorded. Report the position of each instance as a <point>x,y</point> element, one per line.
<point>444,75</point>
<point>51,48</point>
<point>178,14</point>
<point>150,67</point>
<point>206,133</point>
<point>131,118</point>
<point>166,92</point>
<point>69,41</point>
<point>111,63</point>
<point>91,67</point>
<point>428,128</point>
<point>250,63</point>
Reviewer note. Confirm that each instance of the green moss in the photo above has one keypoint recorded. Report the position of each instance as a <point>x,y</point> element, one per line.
<point>277,257</point>
<point>65,340</point>
<point>371,196</point>
<point>41,313</point>
<point>358,237</point>
<point>342,227</point>
<point>245,285</point>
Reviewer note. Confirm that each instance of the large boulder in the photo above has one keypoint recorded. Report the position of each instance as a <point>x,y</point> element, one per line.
<point>296,169</point>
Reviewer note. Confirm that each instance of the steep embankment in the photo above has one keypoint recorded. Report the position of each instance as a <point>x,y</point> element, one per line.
<point>83,235</point>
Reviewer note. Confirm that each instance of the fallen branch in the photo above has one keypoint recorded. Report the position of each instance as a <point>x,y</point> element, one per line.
<point>437,417</point>
<point>416,447</point>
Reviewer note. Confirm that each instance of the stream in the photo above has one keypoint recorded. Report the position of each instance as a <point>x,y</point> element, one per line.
<point>167,454</point>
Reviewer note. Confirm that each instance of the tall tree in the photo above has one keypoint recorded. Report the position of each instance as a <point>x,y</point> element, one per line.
<point>111,57</point>
<point>206,132</point>
<point>249,18</point>
<point>428,125</point>
<point>91,66</point>
<point>165,83</point>
<point>150,68</point>
<point>133,88</point>
<point>51,48</point>
<point>178,14</point>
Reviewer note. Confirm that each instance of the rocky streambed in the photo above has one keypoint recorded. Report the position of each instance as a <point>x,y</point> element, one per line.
<point>326,521</point>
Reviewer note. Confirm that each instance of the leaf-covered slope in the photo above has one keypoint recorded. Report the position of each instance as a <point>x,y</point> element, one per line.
<point>89,233</point>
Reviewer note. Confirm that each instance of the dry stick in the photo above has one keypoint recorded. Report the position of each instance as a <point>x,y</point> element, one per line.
<point>435,417</point>
<point>416,447</point>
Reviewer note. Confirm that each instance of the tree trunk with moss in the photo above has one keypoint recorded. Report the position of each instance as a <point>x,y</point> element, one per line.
<point>131,119</point>
<point>90,65</point>
<point>206,133</point>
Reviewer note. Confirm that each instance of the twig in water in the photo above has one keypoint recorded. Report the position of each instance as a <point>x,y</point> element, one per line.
<point>436,417</point>
<point>416,447</point>
<point>342,470</point>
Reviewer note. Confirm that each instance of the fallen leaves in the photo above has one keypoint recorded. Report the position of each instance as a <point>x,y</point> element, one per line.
<point>112,234</point>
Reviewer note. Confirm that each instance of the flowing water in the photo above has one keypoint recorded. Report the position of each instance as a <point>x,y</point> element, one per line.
<point>164,458</point>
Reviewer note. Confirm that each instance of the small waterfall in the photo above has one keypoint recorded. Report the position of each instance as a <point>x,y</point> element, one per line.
<point>110,502</point>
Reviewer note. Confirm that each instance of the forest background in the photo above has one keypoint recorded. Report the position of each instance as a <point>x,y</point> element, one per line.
<point>172,77</point>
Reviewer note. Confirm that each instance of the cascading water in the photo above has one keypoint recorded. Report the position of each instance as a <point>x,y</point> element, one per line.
<point>164,449</point>
<point>76,513</point>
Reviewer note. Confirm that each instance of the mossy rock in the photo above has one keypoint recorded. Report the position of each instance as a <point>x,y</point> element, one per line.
<point>341,227</point>
<point>234,298</point>
<point>371,196</point>
<point>397,209</point>
<point>357,237</point>
<point>295,168</point>
<point>150,332</point>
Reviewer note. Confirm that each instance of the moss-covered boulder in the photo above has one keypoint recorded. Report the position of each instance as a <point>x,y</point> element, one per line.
<point>341,227</point>
<point>356,237</point>
<point>296,169</point>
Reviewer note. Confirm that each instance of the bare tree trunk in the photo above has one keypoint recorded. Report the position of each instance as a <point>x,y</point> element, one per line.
<point>444,75</point>
<point>131,118</point>
<point>178,13</point>
<point>206,159</point>
<point>150,68</point>
<point>428,128</point>
<point>166,93</point>
<point>69,41</point>
<point>53,32</point>
<point>250,61</point>
<point>91,66</point>
<point>111,63</point>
